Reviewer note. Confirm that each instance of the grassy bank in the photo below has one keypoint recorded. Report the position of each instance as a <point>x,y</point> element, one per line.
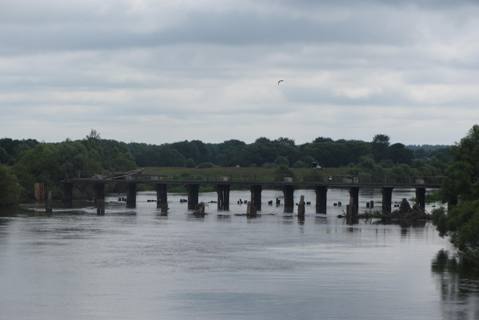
<point>258,173</point>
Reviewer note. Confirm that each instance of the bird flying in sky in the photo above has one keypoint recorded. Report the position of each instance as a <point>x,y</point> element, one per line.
<point>279,81</point>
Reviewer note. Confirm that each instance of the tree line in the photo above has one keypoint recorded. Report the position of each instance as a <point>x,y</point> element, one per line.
<point>29,161</point>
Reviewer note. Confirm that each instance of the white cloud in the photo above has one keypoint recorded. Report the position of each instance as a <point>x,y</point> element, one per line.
<point>159,71</point>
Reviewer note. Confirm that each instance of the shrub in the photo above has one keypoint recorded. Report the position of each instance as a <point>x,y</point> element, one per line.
<point>9,187</point>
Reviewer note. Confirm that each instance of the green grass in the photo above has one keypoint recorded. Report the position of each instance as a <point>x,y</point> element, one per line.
<point>242,173</point>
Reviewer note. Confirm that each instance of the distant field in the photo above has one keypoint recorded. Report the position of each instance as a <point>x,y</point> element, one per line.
<point>258,173</point>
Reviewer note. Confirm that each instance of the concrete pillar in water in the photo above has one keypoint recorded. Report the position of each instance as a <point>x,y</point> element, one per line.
<point>353,212</point>
<point>251,211</point>
<point>223,191</point>
<point>288,191</point>
<point>48,202</point>
<point>301,208</point>
<point>100,207</point>
<point>256,196</point>
<point>387,199</point>
<point>68,195</point>
<point>99,191</point>
<point>193,192</point>
<point>100,197</point>
<point>40,191</point>
<point>162,197</point>
<point>321,199</point>
<point>421,198</point>
<point>131,195</point>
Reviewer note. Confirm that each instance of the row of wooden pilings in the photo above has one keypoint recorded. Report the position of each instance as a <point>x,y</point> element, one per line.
<point>223,191</point>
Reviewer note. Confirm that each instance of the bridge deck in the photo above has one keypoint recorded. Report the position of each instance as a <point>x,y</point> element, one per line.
<point>330,182</point>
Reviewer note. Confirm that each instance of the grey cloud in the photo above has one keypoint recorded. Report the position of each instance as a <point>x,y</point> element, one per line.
<point>352,69</point>
<point>226,28</point>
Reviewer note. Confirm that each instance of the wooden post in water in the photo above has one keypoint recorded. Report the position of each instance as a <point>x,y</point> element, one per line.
<point>68,194</point>
<point>321,199</point>
<point>421,198</point>
<point>162,197</point>
<point>256,196</point>
<point>387,199</point>
<point>131,195</point>
<point>301,208</point>
<point>288,191</point>
<point>193,191</point>
<point>200,210</point>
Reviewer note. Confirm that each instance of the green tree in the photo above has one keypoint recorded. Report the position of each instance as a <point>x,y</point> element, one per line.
<point>4,157</point>
<point>461,186</point>
<point>300,164</point>
<point>282,161</point>
<point>190,163</point>
<point>398,153</point>
<point>380,146</point>
<point>9,187</point>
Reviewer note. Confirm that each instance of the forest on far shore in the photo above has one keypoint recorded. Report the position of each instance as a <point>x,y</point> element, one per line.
<point>24,162</point>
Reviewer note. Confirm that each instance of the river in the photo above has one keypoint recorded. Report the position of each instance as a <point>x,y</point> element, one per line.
<point>138,264</point>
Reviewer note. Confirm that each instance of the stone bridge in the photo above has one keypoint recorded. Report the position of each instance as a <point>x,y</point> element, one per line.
<point>223,186</point>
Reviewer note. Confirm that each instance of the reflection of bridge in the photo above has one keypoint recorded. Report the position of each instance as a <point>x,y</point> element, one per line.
<point>288,185</point>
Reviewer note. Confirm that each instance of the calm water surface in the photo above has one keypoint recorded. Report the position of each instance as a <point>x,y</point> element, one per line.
<point>137,264</point>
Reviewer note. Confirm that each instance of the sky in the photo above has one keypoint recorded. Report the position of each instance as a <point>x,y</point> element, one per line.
<point>165,71</point>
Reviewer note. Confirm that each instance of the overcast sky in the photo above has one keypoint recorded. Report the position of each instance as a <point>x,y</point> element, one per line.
<point>163,71</point>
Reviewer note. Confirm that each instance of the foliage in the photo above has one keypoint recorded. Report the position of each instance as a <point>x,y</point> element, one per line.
<point>10,149</point>
<point>262,152</point>
<point>52,162</point>
<point>9,187</point>
<point>205,165</point>
<point>282,161</point>
<point>283,172</point>
<point>461,190</point>
<point>462,224</point>
<point>380,146</point>
<point>300,164</point>
<point>190,163</point>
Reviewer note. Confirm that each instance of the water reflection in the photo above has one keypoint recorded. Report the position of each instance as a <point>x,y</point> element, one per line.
<point>4,224</point>
<point>139,264</point>
<point>458,283</point>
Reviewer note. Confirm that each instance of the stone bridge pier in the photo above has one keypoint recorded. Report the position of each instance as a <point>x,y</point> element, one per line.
<point>193,195</point>
<point>68,194</point>
<point>223,191</point>
<point>162,196</point>
<point>387,194</point>
<point>99,188</point>
<point>421,198</point>
<point>131,195</point>
<point>352,216</point>
<point>321,199</point>
<point>288,191</point>
<point>256,196</point>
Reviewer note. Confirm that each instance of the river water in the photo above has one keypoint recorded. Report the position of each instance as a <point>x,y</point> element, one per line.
<point>138,264</point>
